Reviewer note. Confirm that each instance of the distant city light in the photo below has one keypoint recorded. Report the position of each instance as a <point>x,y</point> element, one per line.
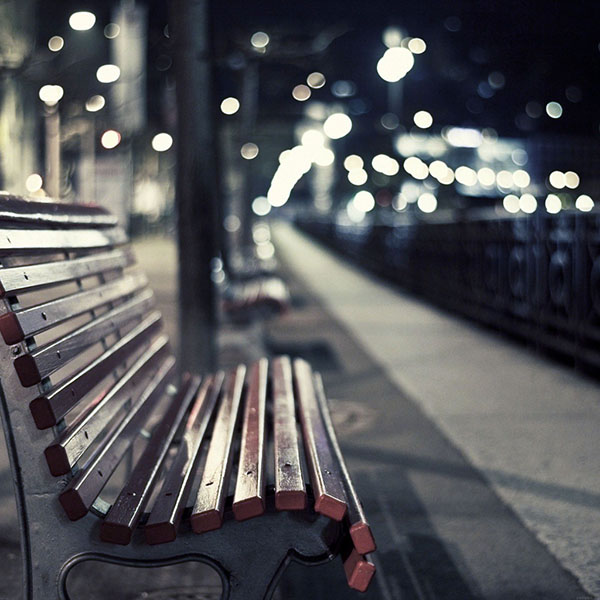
<point>504,179</point>
<point>301,93</point>
<point>395,64</point>
<point>463,137</point>
<point>519,157</point>
<point>82,20</point>
<point>417,45</point>
<point>261,206</point>
<point>390,121</point>
<point>108,73</point>
<point>34,183</point>
<point>50,94</point>
<point>358,176</point>
<point>584,203</point>
<point>312,138</point>
<point>423,119</point>
<point>337,126</point>
<point>111,31</point>
<point>260,39</point>
<point>571,180</point>
<point>352,162</point>
<point>554,110</point>
<point>399,202</point>
<point>110,139</point>
<point>392,37</point>
<point>557,180</point>
<point>382,163</point>
<point>528,203</point>
<point>232,223</point>
<point>95,103</point>
<point>56,43</point>
<point>414,166</point>
<point>161,142</point>
<point>249,151</point>
<point>486,177</point>
<point>364,201</point>
<point>465,175</point>
<point>229,106</point>
<point>324,157</point>
<point>553,204</point>
<point>316,80</point>
<point>511,203</point>
<point>521,178</point>
<point>427,202</point>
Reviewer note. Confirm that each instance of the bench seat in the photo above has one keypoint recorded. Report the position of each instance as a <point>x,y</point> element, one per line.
<point>116,455</point>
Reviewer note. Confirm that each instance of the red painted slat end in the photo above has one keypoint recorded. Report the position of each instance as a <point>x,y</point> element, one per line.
<point>42,413</point>
<point>57,460</point>
<point>362,537</point>
<point>160,533</point>
<point>206,521</point>
<point>290,500</point>
<point>359,571</point>
<point>115,533</point>
<point>331,507</point>
<point>249,508</point>
<point>10,329</point>
<point>27,370</point>
<point>74,506</point>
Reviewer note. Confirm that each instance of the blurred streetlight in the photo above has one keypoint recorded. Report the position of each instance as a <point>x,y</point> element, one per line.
<point>110,139</point>
<point>337,126</point>
<point>108,73</point>
<point>395,64</point>
<point>161,142</point>
<point>82,20</point>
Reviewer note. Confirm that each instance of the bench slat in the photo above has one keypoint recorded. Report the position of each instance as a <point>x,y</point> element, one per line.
<point>47,410</point>
<point>63,454</point>
<point>359,571</point>
<point>123,517</point>
<point>168,508</point>
<point>250,488</point>
<point>14,208</point>
<point>83,489</point>
<point>16,326</point>
<point>39,240</point>
<point>328,487</point>
<point>32,368</point>
<point>210,501</point>
<point>31,277</point>
<point>290,490</point>
<point>360,532</point>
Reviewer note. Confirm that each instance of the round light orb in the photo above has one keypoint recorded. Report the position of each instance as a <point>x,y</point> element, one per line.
<point>399,202</point>
<point>261,206</point>
<point>571,180</point>
<point>108,73</point>
<point>504,179</point>
<point>230,105</point>
<point>528,203</point>
<point>56,43</point>
<point>232,223</point>
<point>521,178</point>
<point>51,94</point>
<point>486,177</point>
<point>584,203</point>
<point>249,151</point>
<point>554,110</point>
<point>423,119</point>
<point>312,138</point>
<point>358,177</point>
<point>301,93</point>
<point>260,39</point>
<point>417,45</point>
<point>111,31</point>
<point>161,142</point>
<point>553,204</point>
<point>427,202</point>
<point>352,162</point>
<point>324,157</point>
<point>390,121</point>
<point>557,180</point>
<point>364,201</point>
<point>82,20</point>
<point>395,64</point>
<point>316,80</point>
<point>511,203</point>
<point>34,183</point>
<point>337,126</point>
<point>110,139</point>
<point>465,175</point>
<point>95,103</point>
<point>391,37</point>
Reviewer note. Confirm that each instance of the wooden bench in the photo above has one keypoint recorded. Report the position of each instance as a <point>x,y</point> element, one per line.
<point>240,470</point>
<point>260,297</point>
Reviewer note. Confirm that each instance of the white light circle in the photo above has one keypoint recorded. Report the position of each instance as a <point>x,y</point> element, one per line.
<point>553,204</point>
<point>557,180</point>
<point>521,178</point>
<point>511,203</point>
<point>229,106</point>
<point>82,20</point>
<point>423,119</point>
<point>584,203</point>
<point>353,161</point>
<point>364,201</point>
<point>161,142</point>
<point>56,43</point>
<point>301,93</point>
<point>111,31</point>
<point>261,206</point>
<point>260,39</point>
<point>324,157</point>
<point>358,177</point>
<point>337,126</point>
<point>249,151</point>
<point>486,177</point>
<point>417,45</point>
<point>95,103</point>
<point>571,180</point>
<point>427,202</point>
<point>528,203</point>
<point>34,182</point>
<point>316,80</point>
<point>554,110</point>
<point>395,64</point>
<point>51,94</point>
<point>108,73</point>
<point>110,139</point>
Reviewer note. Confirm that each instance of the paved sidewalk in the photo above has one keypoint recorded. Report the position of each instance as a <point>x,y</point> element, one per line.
<point>529,426</point>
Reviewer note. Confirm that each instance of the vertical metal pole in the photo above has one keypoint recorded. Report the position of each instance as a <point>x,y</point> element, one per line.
<point>196,185</point>
<point>88,151</point>
<point>52,126</point>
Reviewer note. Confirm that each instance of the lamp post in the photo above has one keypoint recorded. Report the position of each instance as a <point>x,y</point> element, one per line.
<point>50,96</point>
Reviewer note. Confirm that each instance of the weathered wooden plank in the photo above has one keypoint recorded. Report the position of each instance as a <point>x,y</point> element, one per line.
<point>327,484</point>
<point>360,532</point>
<point>125,513</point>
<point>83,489</point>
<point>16,326</point>
<point>250,487</point>
<point>210,500</point>
<point>168,508</point>
<point>359,571</point>
<point>73,442</point>
<point>290,489</point>
<point>32,368</point>
<point>27,278</point>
